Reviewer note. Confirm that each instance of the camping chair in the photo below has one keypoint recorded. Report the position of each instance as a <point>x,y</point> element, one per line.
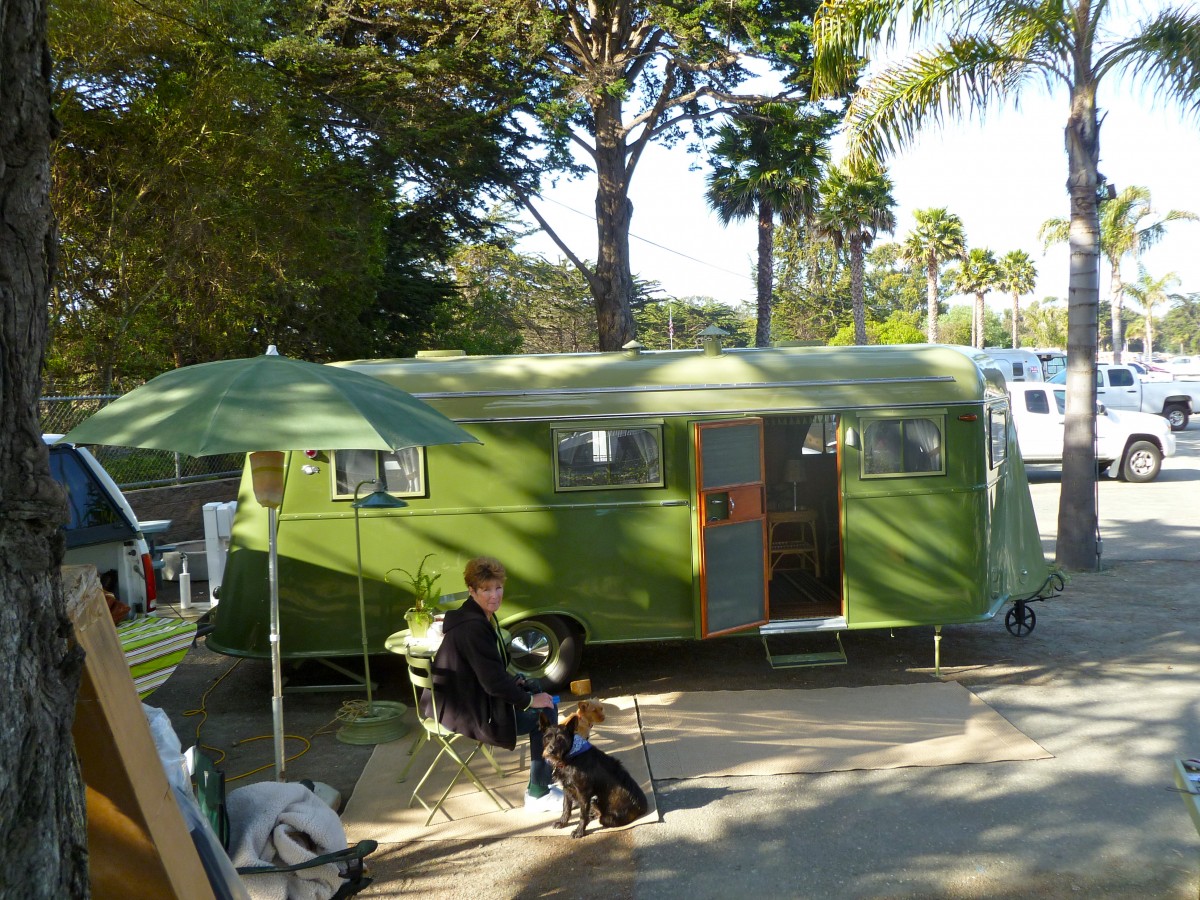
<point>420,672</point>
<point>210,795</point>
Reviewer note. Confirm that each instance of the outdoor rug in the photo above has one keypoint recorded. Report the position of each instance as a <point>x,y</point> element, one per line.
<point>378,809</point>
<point>775,732</point>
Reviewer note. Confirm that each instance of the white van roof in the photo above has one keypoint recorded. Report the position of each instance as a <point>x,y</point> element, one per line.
<point>1017,365</point>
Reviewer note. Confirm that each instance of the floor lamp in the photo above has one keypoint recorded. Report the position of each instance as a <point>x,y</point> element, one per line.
<point>793,471</point>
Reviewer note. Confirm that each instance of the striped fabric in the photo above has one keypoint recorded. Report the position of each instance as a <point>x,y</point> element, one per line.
<point>153,648</point>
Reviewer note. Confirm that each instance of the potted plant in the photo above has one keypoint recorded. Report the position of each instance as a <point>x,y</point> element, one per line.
<point>420,615</point>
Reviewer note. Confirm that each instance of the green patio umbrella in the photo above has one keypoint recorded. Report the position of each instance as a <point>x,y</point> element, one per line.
<point>267,403</point>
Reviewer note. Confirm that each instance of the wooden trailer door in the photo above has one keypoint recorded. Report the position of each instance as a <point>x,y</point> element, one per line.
<point>733,525</point>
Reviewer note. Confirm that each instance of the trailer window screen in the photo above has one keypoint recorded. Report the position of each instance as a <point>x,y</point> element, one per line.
<point>402,472</point>
<point>997,435</point>
<point>902,447</point>
<point>608,458</point>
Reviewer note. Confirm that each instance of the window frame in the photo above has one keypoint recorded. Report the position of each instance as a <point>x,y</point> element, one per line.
<point>998,412</point>
<point>865,423</point>
<point>422,473</point>
<point>563,431</point>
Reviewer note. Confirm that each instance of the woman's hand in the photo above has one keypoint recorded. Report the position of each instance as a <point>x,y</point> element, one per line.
<point>541,701</point>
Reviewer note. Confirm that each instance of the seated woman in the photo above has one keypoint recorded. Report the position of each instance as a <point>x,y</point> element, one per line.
<point>477,695</point>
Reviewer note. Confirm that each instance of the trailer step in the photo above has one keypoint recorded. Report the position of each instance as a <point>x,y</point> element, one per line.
<point>799,660</point>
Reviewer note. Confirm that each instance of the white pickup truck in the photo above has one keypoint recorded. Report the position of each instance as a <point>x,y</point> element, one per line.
<point>1136,442</point>
<point>1119,387</point>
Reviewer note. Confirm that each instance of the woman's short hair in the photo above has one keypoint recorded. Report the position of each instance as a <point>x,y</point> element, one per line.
<point>483,569</point>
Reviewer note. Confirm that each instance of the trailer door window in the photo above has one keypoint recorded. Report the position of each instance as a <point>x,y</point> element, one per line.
<point>402,472</point>
<point>902,447</point>
<point>589,458</point>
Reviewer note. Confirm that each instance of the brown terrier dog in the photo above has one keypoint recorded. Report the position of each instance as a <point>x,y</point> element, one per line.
<point>587,714</point>
<point>591,779</point>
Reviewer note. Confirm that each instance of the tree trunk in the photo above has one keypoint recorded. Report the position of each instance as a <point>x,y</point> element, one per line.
<point>43,826</point>
<point>1078,546</point>
<point>766,272</point>
<point>1016,341</point>
<point>980,309</point>
<point>612,288</point>
<point>857,298</point>
<point>931,299</point>
<point>1117,286</point>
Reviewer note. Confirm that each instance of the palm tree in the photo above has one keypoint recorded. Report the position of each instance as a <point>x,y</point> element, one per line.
<point>1122,234</point>
<point>1018,276</point>
<point>856,205</point>
<point>1148,293</point>
<point>938,236</point>
<point>769,162</point>
<point>977,274</point>
<point>992,51</point>
<point>1046,323</point>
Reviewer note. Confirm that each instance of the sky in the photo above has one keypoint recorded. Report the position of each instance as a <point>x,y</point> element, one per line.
<point>1003,177</point>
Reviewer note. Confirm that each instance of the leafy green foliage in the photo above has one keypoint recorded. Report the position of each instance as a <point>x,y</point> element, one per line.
<point>678,323</point>
<point>236,173</point>
<point>1179,332</point>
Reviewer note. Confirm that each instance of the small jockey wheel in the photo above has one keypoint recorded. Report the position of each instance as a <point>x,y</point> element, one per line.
<point>1020,620</point>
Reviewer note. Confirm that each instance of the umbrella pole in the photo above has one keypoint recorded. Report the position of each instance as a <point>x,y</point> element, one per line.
<point>362,613</point>
<point>276,661</point>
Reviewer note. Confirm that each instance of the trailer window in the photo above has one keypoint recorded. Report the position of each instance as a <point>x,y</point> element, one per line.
<point>401,471</point>
<point>902,447</point>
<point>997,435</point>
<point>608,458</point>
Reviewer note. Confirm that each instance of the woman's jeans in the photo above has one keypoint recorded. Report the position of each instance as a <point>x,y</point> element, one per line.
<point>528,723</point>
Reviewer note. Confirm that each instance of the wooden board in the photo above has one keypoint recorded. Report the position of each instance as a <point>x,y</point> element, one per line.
<point>138,842</point>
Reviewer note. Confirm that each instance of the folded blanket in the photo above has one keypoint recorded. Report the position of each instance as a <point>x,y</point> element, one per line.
<point>273,824</point>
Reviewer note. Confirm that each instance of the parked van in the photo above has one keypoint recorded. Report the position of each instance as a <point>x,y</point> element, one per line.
<point>102,529</point>
<point>1053,362</point>
<point>1017,365</point>
<point>639,496</point>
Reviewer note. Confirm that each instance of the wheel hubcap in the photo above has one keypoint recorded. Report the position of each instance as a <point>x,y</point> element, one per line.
<point>530,649</point>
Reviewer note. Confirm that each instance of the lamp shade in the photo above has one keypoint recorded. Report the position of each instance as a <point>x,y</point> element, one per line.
<point>266,472</point>
<point>379,500</point>
<point>793,470</point>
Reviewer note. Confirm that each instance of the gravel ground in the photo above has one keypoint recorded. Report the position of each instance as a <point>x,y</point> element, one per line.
<point>1106,683</point>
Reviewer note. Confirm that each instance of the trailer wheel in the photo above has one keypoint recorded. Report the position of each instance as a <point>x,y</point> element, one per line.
<point>1142,462</point>
<point>1177,416</point>
<point>1020,620</point>
<point>546,648</point>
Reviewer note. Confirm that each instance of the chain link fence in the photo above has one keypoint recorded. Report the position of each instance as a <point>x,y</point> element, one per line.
<point>132,467</point>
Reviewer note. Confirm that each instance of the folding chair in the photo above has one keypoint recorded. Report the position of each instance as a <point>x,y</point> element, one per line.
<point>209,784</point>
<point>420,672</point>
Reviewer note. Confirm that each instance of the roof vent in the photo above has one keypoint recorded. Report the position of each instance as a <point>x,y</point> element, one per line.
<point>633,348</point>
<point>440,354</point>
<point>712,340</point>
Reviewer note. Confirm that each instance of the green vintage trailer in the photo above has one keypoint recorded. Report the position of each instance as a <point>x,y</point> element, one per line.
<point>639,496</point>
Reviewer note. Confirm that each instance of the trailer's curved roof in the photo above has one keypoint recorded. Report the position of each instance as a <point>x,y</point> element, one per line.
<point>665,382</point>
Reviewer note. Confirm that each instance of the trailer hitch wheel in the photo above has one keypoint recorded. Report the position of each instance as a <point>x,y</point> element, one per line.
<point>1020,620</point>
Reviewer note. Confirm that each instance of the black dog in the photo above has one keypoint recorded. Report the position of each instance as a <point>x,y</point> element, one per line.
<point>591,779</point>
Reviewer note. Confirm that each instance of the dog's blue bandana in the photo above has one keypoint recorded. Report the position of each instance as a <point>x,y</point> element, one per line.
<point>578,745</point>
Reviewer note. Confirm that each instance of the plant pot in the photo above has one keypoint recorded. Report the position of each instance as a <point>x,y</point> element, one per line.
<point>418,621</point>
